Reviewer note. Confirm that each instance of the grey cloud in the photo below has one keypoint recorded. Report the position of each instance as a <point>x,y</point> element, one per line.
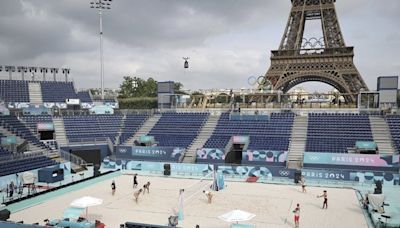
<point>227,40</point>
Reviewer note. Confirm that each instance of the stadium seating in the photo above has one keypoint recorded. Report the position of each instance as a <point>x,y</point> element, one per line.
<point>394,126</point>
<point>14,91</point>
<point>91,127</point>
<point>57,91</point>
<point>131,125</point>
<point>14,125</point>
<point>84,96</point>
<point>178,129</point>
<point>32,121</point>
<point>334,133</point>
<point>273,134</point>
<point>4,152</point>
<point>21,165</point>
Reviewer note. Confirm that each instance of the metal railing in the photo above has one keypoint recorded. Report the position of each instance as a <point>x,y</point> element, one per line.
<point>95,141</point>
<point>71,158</point>
<point>25,155</point>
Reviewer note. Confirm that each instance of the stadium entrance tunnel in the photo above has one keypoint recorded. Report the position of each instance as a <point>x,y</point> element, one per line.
<point>234,156</point>
<point>290,81</point>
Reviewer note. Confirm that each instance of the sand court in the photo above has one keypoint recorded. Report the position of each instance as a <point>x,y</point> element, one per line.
<point>272,204</point>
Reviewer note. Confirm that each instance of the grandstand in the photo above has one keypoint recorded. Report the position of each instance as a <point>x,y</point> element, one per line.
<point>270,133</point>
<point>335,133</point>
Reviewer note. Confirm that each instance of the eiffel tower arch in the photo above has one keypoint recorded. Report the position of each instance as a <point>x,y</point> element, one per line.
<point>326,59</point>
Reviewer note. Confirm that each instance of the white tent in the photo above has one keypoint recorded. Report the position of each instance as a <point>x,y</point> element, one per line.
<point>376,201</point>
<point>236,216</point>
<point>85,202</point>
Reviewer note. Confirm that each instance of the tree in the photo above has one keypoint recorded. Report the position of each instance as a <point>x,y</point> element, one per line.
<point>136,87</point>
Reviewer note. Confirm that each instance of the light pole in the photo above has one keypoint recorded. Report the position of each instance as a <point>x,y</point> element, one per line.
<point>54,71</point>
<point>44,71</point>
<point>32,70</point>
<point>101,5</point>
<point>22,70</point>
<point>65,71</point>
<point>10,70</point>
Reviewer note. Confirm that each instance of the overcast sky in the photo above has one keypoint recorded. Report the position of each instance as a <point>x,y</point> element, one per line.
<point>227,40</point>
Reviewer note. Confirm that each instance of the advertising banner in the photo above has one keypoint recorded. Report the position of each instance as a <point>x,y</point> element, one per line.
<point>240,139</point>
<point>366,145</point>
<point>326,174</point>
<point>9,140</point>
<point>149,153</point>
<point>72,101</point>
<point>388,178</point>
<point>210,155</point>
<point>146,139</point>
<point>147,166</point>
<point>48,126</point>
<point>374,160</point>
<point>264,156</point>
<point>257,171</point>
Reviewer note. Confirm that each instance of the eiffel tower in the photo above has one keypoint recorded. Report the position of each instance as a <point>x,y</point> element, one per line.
<point>325,59</point>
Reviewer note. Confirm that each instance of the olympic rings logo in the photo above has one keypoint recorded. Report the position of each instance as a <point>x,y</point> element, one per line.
<point>284,173</point>
<point>123,150</point>
<point>314,158</point>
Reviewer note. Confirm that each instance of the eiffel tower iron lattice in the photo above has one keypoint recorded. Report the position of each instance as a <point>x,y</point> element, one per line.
<point>326,59</point>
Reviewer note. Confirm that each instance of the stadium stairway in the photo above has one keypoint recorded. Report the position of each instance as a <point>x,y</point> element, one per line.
<point>20,140</point>
<point>297,142</point>
<point>382,136</point>
<point>119,133</point>
<point>145,129</point>
<point>35,93</point>
<point>205,133</point>
<point>59,129</point>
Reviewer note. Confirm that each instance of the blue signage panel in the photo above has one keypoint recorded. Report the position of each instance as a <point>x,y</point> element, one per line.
<point>210,155</point>
<point>5,141</point>
<point>149,153</point>
<point>366,145</point>
<point>264,156</point>
<point>326,174</point>
<point>374,160</point>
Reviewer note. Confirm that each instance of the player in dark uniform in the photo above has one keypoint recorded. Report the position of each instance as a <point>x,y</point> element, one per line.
<point>135,183</point>
<point>325,195</point>
<point>113,187</point>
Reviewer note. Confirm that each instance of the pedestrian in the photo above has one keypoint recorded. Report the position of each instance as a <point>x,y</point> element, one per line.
<point>135,183</point>
<point>325,195</point>
<point>113,187</point>
<point>11,189</point>
<point>136,195</point>
<point>296,212</point>
<point>303,184</point>
<point>146,187</point>
<point>209,196</point>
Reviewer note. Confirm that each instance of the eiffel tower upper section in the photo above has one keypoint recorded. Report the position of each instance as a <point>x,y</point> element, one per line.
<point>326,59</point>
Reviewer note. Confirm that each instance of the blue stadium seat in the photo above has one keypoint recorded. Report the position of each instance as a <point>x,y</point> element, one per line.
<point>178,129</point>
<point>131,126</point>
<point>14,91</point>
<point>90,127</point>
<point>84,96</point>
<point>393,122</point>
<point>272,134</point>
<point>334,133</point>
<point>57,91</point>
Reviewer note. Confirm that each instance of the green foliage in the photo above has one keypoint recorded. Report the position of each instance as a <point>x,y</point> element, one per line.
<point>222,98</point>
<point>138,103</point>
<point>138,87</point>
